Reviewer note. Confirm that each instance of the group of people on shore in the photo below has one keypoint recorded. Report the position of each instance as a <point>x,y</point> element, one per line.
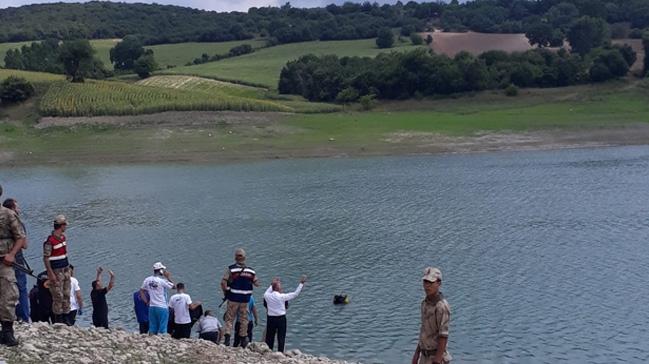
<point>176,316</point>
<point>57,297</point>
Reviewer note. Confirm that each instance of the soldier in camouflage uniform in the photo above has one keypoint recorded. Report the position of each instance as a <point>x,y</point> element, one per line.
<point>58,270</point>
<point>12,240</point>
<point>435,317</point>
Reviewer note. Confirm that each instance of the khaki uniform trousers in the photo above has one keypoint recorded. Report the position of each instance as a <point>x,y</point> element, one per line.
<point>8,293</point>
<point>428,359</point>
<point>233,308</point>
<point>61,291</point>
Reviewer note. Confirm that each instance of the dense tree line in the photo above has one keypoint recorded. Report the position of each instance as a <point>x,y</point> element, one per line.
<point>421,72</point>
<point>233,52</point>
<point>74,58</point>
<point>549,20</point>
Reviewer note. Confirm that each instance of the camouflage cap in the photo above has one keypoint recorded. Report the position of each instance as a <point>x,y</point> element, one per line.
<point>432,274</point>
<point>60,220</point>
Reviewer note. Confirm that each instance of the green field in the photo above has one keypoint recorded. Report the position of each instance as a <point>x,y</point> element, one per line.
<point>94,98</point>
<point>181,53</point>
<point>264,66</point>
<point>30,76</point>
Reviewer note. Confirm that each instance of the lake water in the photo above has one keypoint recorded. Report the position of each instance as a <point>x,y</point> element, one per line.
<point>544,254</point>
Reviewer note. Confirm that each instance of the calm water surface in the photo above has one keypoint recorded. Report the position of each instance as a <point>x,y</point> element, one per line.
<point>544,254</point>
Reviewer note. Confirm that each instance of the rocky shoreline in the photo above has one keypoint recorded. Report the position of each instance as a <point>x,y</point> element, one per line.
<point>44,343</point>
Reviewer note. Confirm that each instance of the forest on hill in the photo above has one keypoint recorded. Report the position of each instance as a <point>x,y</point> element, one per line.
<point>160,24</point>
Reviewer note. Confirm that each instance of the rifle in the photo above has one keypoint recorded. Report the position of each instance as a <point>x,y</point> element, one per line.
<point>24,269</point>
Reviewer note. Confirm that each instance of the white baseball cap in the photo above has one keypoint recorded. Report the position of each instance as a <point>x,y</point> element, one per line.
<point>158,266</point>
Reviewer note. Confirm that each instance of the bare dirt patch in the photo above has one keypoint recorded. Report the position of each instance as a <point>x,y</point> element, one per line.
<point>475,43</point>
<point>636,44</point>
<point>637,134</point>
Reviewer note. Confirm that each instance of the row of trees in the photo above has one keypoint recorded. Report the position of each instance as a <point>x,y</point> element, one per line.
<point>76,58</point>
<point>421,72</point>
<point>155,24</point>
<point>233,52</point>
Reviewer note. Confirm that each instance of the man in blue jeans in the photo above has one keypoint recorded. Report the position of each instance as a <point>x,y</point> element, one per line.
<point>22,309</point>
<point>156,286</point>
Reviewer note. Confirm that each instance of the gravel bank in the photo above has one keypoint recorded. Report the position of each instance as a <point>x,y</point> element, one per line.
<point>43,343</point>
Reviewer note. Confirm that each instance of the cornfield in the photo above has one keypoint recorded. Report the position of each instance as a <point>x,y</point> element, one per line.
<point>118,98</point>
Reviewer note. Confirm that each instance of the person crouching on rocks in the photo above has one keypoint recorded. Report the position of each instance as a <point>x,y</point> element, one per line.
<point>55,257</point>
<point>276,305</point>
<point>156,286</point>
<point>237,284</point>
<point>98,298</point>
<point>209,328</point>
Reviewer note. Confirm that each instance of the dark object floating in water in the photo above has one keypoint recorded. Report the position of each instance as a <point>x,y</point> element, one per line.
<point>341,299</point>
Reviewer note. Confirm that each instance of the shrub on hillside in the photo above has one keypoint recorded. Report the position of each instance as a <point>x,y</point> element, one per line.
<point>511,90</point>
<point>145,65</point>
<point>385,38</point>
<point>15,89</point>
<point>416,39</point>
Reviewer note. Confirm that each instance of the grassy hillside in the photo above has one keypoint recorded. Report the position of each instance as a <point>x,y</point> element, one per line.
<point>119,98</point>
<point>264,66</point>
<point>30,76</point>
<point>181,53</point>
<point>177,54</point>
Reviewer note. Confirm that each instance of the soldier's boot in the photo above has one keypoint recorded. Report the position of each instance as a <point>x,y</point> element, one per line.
<point>244,341</point>
<point>7,336</point>
<point>226,341</point>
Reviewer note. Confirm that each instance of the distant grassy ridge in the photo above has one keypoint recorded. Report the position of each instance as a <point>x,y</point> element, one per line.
<point>177,54</point>
<point>94,98</point>
<point>181,53</point>
<point>30,76</point>
<point>264,66</point>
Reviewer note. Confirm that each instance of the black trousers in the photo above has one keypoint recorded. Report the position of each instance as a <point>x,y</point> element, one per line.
<point>237,339</point>
<point>182,331</point>
<point>210,336</point>
<point>72,317</point>
<point>276,325</point>
<point>144,327</point>
<point>100,321</point>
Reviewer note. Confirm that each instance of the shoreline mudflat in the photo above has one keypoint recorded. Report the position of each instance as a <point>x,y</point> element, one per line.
<point>262,137</point>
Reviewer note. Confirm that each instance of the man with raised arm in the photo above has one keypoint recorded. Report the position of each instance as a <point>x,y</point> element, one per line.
<point>276,305</point>
<point>98,298</point>
<point>156,286</point>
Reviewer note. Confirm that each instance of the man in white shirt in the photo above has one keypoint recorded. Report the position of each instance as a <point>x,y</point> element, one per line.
<point>157,285</point>
<point>209,328</point>
<point>76,300</point>
<point>276,306</point>
<point>181,303</point>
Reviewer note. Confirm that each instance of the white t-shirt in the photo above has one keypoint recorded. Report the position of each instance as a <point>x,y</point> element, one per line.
<point>74,288</point>
<point>156,286</point>
<point>180,304</point>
